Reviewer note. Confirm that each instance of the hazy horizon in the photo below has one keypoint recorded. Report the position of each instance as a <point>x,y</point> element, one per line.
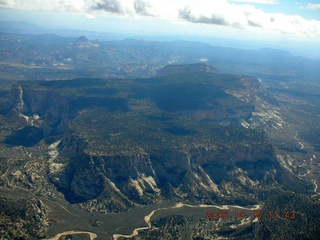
<point>294,27</point>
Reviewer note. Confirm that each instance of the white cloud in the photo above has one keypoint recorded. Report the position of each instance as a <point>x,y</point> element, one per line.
<point>127,7</point>
<point>248,17</point>
<point>258,1</point>
<point>313,6</point>
<point>54,5</point>
<point>218,12</point>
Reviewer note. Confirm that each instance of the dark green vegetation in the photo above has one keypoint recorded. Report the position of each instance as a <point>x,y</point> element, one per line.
<point>289,216</point>
<point>22,219</point>
<point>27,137</point>
<point>283,216</point>
<point>171,227</point>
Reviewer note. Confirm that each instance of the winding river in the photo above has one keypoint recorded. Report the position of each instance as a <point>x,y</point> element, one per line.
<point>147,218</point>
<point>92,235</point>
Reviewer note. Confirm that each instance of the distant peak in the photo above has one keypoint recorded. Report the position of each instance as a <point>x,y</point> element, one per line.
<point>82,39</point>
<point>83,42</point>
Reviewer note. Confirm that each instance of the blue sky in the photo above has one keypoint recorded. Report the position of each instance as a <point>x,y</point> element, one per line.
<point>262,20</point>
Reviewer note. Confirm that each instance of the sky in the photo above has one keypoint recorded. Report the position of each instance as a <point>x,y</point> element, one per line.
<point>267,20</point>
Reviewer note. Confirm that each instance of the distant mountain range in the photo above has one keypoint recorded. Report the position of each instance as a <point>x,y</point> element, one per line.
<point>50,57</point>
<point>305,49</point>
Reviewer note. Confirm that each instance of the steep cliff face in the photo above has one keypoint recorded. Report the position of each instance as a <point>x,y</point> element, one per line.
<point>31,100</point>
<point>35,113</point>
<point>15,98</point>
<point>199,174</point>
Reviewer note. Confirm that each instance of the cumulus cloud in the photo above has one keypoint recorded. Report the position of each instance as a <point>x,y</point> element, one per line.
<point>143,7</point>
<point>218,12</point>
<point>247,16</point>
<point>128,7</point>
<point>3,2</point>
<point>54,5</point>
<point>109,6</point>
<point>313,6</point>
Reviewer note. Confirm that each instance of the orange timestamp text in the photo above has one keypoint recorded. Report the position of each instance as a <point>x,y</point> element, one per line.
<point>224,214</point>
